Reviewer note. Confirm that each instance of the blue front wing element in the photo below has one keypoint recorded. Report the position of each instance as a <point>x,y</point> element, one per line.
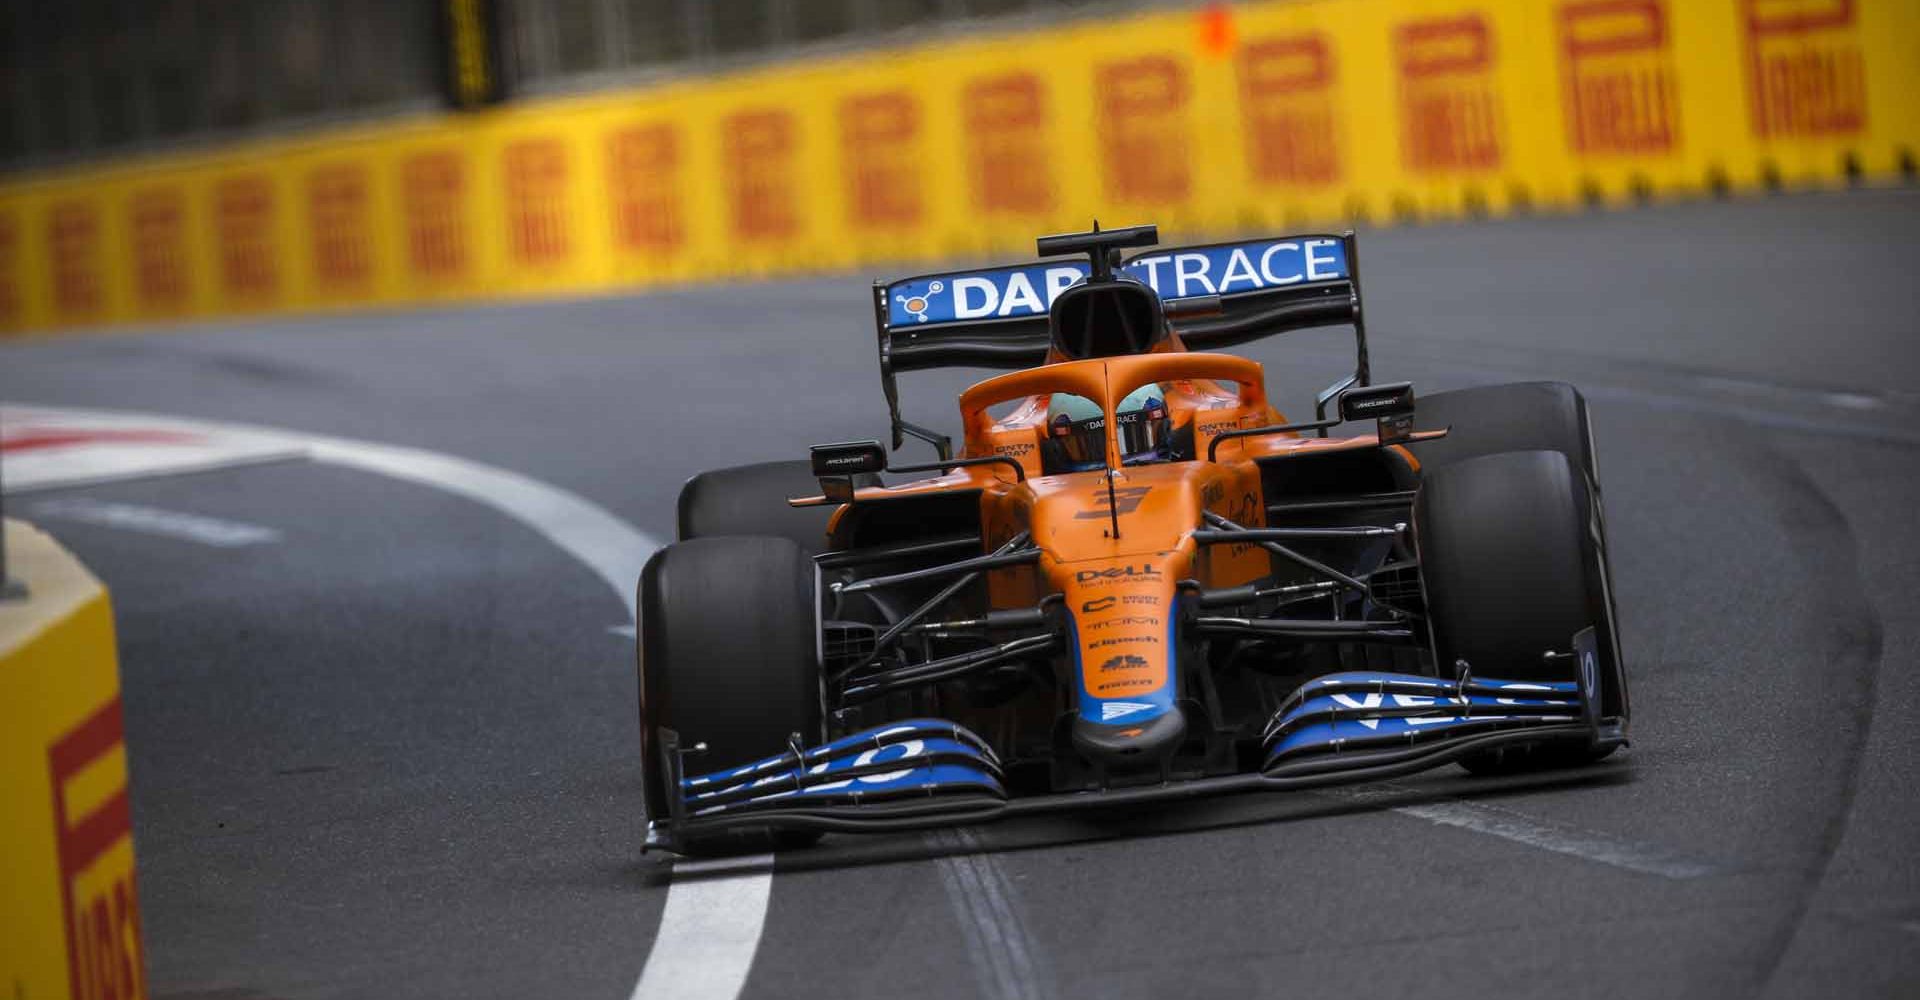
<point>1367,710</point>
<point>1026,291</point>
<point>915,758</point>
<point>1350,726</point>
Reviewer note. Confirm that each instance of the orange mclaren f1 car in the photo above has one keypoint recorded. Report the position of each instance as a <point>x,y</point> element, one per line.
<point>1136,580</point>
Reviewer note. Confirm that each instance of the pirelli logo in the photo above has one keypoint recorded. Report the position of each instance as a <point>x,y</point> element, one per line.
<point>1008,155</point>
<point>879,143</point>
<point>340,215</point>
<point>243,223</point>
<point>433,189</point>
<point>159,223</point>
<point>643,179</point>
<point>93,828</point>
<point>1619,77</point>
<point>1450,115</point>
<point>1808,74</point>
<point>75,250</point>
<point>536,174</point>
<point>758,155</point>
<point>1144,113</point>
<point>1287,97</point>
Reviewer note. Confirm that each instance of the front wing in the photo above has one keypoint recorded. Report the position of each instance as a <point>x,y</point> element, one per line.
<point>1341,728</point>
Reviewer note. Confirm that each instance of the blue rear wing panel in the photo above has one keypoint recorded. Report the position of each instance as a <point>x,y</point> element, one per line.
<point>995,294</point>
<point>996,317</point>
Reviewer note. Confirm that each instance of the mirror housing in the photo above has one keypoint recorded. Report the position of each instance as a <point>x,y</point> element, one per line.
<point>835,465</point>
<point>1391,405</point>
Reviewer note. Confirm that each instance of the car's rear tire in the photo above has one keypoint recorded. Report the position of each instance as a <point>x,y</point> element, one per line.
<point>1516,416</point>
<point>752,500</point>
<point>728,657</point>
<point>1512,558</point>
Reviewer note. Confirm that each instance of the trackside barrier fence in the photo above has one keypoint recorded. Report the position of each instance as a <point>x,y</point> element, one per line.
<point>1226,119</point>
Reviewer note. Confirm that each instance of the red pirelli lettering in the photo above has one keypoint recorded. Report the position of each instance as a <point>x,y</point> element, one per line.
<point>1450,117</point>
<point>880,144</point>
<point>104,957</point>
<point>433,187</point>
<point>339,203</point>
<point>758,153</point>
<point>1008,158</point>
<point>243,212</point>
<point>1143,106</point>
<point>1286,95</point>
<point>536,172</point>
<point>159,246</point>
<point>1618,78</point>
<point>643,176</point>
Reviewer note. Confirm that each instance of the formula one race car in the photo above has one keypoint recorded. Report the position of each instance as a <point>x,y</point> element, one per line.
<point>1137,581</point>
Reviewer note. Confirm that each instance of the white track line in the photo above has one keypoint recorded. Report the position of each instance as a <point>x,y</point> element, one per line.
<point>709,928</point>
<point>709,932</point>
<point>1560,838</point>
<point>199,528</point>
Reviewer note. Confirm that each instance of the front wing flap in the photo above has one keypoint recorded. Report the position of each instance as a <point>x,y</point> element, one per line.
<point>1341,728</point>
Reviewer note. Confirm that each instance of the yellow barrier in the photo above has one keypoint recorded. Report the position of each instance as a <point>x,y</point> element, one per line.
<point>68,910</point>
<point>1257,116</point>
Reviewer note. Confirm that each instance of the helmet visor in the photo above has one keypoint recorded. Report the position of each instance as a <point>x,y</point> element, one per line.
<point>1078,445</point>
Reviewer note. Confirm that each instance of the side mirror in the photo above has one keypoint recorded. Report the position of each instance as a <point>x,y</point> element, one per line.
<point>1391,405</point>
<point>835,465</point>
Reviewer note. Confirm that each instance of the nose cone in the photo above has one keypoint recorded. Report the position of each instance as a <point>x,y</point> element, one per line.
<point>1123,617</point>
<point>1131,744</point>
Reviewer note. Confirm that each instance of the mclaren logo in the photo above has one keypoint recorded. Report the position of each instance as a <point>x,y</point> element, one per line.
<point>1112,710</point>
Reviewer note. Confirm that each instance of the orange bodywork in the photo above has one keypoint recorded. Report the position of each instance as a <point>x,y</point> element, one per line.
<point>1120,587</point>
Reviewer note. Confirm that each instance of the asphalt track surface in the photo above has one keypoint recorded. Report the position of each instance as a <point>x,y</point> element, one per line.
<point>391,753</point>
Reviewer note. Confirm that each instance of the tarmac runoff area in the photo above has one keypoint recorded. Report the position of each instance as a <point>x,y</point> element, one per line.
<point>379,706</point>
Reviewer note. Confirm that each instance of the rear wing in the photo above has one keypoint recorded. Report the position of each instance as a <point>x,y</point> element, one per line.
<point>997,317</point>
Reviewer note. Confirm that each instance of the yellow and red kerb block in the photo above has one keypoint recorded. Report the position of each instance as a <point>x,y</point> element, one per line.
<point>95,847</point>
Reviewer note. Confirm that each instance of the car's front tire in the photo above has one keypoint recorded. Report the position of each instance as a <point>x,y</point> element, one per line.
<point>1512,557</point>
<point>727,657</point>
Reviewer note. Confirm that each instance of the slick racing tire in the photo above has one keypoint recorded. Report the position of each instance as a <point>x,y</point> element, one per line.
<point>1517,416</point>
<point>752,500</point>
<point>728,658</point>
<point>1512,556</point>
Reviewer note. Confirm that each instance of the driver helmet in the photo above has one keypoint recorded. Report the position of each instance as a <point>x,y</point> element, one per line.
<point>1076,431</point>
